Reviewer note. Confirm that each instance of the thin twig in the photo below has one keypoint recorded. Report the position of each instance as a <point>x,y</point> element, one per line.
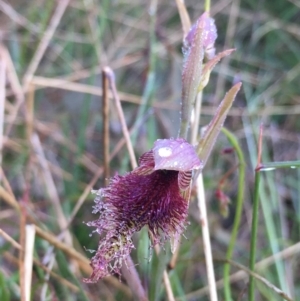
<point>254,226</point>
<point>206,239</point>
<point>30,112</point>
<point>184,17</point>
<point>130,274</point>
<point>18,18</point>
<point>111,77</point>
<point>168,286</point>
<point>15,86</point>
<point>2,101</point>
<point>79,87</point>
<point>22,240</point>
<point>50,260</point>
<point>28,259</point>
<point>9,199</point>
<point>259,151</point>
<point>5,181</point>
<point>105,118</point>
<point>10,239</point>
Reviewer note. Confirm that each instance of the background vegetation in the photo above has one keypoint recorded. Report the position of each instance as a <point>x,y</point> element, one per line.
<point>52,151</point>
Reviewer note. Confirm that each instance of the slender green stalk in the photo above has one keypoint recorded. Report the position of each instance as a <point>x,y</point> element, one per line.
<point>269,219</point>
<point>298,214</point>
<point>184,17</point>
<point>207,5</point>
<point>239,208</point>
<point>254,234</point>
<point>274,165</point>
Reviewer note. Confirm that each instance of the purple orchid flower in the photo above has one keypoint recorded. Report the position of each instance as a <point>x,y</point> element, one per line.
<point>155,194</point>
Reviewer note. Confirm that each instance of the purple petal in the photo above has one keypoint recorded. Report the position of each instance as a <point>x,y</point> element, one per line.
<point>184,179</point>
<point>146,164</point>
<point>175,154</point>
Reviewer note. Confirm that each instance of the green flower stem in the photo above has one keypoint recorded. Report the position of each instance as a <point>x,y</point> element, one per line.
<point>239,207</point>
<point>274,165</point>
<point>254,234</point>
<point>259,169</point>
<point>207,5</point>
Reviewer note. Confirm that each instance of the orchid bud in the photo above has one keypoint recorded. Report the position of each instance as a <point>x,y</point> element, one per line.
<point>198,43</point>
<point>209,34</point>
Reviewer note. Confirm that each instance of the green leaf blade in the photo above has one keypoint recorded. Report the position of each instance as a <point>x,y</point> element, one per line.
<point>213,129</point>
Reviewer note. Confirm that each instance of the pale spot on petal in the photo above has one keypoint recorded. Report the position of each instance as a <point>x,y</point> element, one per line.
<point>175,154</point>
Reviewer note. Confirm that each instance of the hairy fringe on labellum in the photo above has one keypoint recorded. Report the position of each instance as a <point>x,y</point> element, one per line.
<point>155,194</point>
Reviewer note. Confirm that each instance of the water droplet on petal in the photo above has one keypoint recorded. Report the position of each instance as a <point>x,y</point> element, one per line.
<point>165,152</point>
